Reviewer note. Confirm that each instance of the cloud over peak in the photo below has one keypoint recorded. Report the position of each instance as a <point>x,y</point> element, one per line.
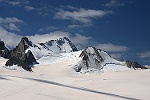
<point>10,39</point>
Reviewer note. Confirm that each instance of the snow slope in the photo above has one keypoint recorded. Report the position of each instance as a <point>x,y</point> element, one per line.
<point>62,45</point>
<point>57,81</point>
<point>92,59</point>
<point>55,78</point>
<point>46,56</point>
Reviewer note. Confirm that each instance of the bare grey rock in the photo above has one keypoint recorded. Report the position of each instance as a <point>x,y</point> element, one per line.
<point>134,65</point>
<point>19,57</point>
<point>4,52</point>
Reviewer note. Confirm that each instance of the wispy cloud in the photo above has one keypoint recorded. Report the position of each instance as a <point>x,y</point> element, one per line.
<point>29,8</point>
<point>112,48</point>
<point>117,56</point>
<point>72,7</point>
<point>48,36</point>
<point>49,28</point>
<point>114,3</point>
<point>15,2</point>
<point>144,54</point>
<point>43,10</point>
<point>81,15</point>
<point>116,51</point>
<point>79,40</point>
<point>10,20</point>
<point>10,23</point>
<point>12,27</point>
<point>10,39</point>
<point>78,26</point>
<point>73,26</point>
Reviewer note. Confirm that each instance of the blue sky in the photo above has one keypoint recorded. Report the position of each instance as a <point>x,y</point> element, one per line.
<point>121,27</point>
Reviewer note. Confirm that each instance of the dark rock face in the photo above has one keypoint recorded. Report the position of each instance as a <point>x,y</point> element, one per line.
<point>24,62</point>
<point>134,65</point>
<point>2,45</point>
<point>71,44</point>
<point>19,57</point>
<point>96,59</point>
<point>91,58</point>
<point>4,52</point>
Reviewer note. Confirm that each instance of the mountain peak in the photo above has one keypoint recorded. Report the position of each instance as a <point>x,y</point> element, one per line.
<point>25,38</point>
<point>66,38</point>
<point>90,58</point>
<point>61,45</point>
<point>2,45</point>
<point>4,52</point>
<point>25,41</point>
<point>19,56</point>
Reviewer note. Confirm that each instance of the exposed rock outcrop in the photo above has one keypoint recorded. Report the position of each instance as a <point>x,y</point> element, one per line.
<point>93,59</point>
<point>26,53</point>
<point>20,57</point>
<point>2,45</point>
<point>4,52</point>
<point>90,58</point>
<point>71,44</point>
<point>134,65</point>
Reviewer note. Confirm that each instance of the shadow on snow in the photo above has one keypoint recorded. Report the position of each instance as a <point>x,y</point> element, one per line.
<point>77,88</point>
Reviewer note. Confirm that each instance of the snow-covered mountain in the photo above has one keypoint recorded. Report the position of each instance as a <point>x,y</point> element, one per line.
<point>92,59</point>
<point>62,45</point>
<point>86,60</point>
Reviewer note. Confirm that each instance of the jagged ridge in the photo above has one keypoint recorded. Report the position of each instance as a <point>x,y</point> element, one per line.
<point>62,45</point>
<point>4,52</point>
<point>19,57</point>
<point>97,59</point>
<point>91,58</point>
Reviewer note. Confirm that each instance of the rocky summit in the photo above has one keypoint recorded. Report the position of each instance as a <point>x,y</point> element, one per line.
<point>61,45</point>
<point>26,53</point>
<point>4,52</point>
<point>19,56</point>
<point>93,59</point>
<point>2,45</point>
<point>134,65</point>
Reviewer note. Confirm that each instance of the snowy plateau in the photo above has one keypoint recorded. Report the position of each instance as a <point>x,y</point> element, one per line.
<point>59,71</point>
